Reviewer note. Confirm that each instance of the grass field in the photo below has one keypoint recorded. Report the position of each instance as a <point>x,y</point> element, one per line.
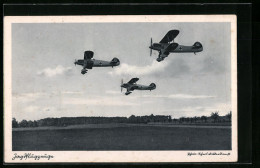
<point>125,137</point>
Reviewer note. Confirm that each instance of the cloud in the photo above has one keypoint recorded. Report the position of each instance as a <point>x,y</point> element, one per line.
<point>33,96</point>
<point>176,67</point>
<point>214,65</point>
<point>28,97</point>
<point>186,96</point>
<point>191,111</point>
<point>180,96</point>
<point>98,101</point>
<point>31,109</point>
<point>113,92</point>
<point>71,92</point>
<point>140,70</point>
<point>59,70</point>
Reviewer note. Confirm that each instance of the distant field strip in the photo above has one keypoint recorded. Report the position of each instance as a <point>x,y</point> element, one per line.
<point>99,137</point>
<point>120,125</point>
<point>188,126</point>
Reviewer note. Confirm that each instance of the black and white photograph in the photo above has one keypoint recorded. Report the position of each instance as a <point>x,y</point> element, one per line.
<point>120,88</point>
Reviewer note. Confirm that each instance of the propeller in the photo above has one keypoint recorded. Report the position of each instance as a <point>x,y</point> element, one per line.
<point>121,85</point>
<point>151,47</point>
<point>75,62</point>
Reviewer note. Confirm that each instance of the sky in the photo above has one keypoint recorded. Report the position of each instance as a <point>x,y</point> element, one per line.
<point>45,82</point>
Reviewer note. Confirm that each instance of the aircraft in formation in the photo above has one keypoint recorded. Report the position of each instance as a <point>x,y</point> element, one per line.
<point>167,46</point>
<point>164,47</point>
<point>88,62</point>
<point>131,86</point>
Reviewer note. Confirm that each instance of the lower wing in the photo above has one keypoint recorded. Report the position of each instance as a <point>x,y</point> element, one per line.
<point>162,56</point>
<point>131,88</point>
<point>79,62</point>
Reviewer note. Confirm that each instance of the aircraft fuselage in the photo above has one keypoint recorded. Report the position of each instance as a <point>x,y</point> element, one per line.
<point>142,87</point>
<point>131,87</point>
<point>90,63</point>
<point>162,48</point>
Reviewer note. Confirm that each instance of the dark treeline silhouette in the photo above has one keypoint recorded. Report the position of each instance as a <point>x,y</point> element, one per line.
<point>213,118</point>
<point>65,121</point>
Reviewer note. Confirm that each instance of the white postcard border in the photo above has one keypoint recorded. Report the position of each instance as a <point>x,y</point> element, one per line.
<point>115,156</point>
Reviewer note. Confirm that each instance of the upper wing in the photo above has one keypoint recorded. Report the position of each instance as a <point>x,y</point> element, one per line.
<point>170,36</point>
<point>88,54</point>
<point>133,80</point>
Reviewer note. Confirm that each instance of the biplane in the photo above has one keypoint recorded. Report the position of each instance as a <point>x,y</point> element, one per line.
<point>88,62</point>
<point>167,46</point>
<point>131,86</point>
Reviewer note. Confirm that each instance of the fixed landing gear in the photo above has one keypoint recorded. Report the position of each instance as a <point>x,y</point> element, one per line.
<point>83,71</point>
<point>127,93</point>
<point>159,59</point>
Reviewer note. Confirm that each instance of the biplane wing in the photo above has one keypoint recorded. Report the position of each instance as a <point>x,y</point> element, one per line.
<point>162,56</point>
<point>171,35</point>
<point>79,62</point>
<point>133,80</point>
<point>88,55</point>
<point>172,47</point>
<point>131,88</point>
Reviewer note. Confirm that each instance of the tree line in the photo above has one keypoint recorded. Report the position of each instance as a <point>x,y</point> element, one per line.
<point>65,121</point>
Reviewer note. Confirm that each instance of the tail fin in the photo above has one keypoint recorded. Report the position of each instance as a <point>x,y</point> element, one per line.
<point>197,45</point>
<point>115,61</point>
<point>152,85</point>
